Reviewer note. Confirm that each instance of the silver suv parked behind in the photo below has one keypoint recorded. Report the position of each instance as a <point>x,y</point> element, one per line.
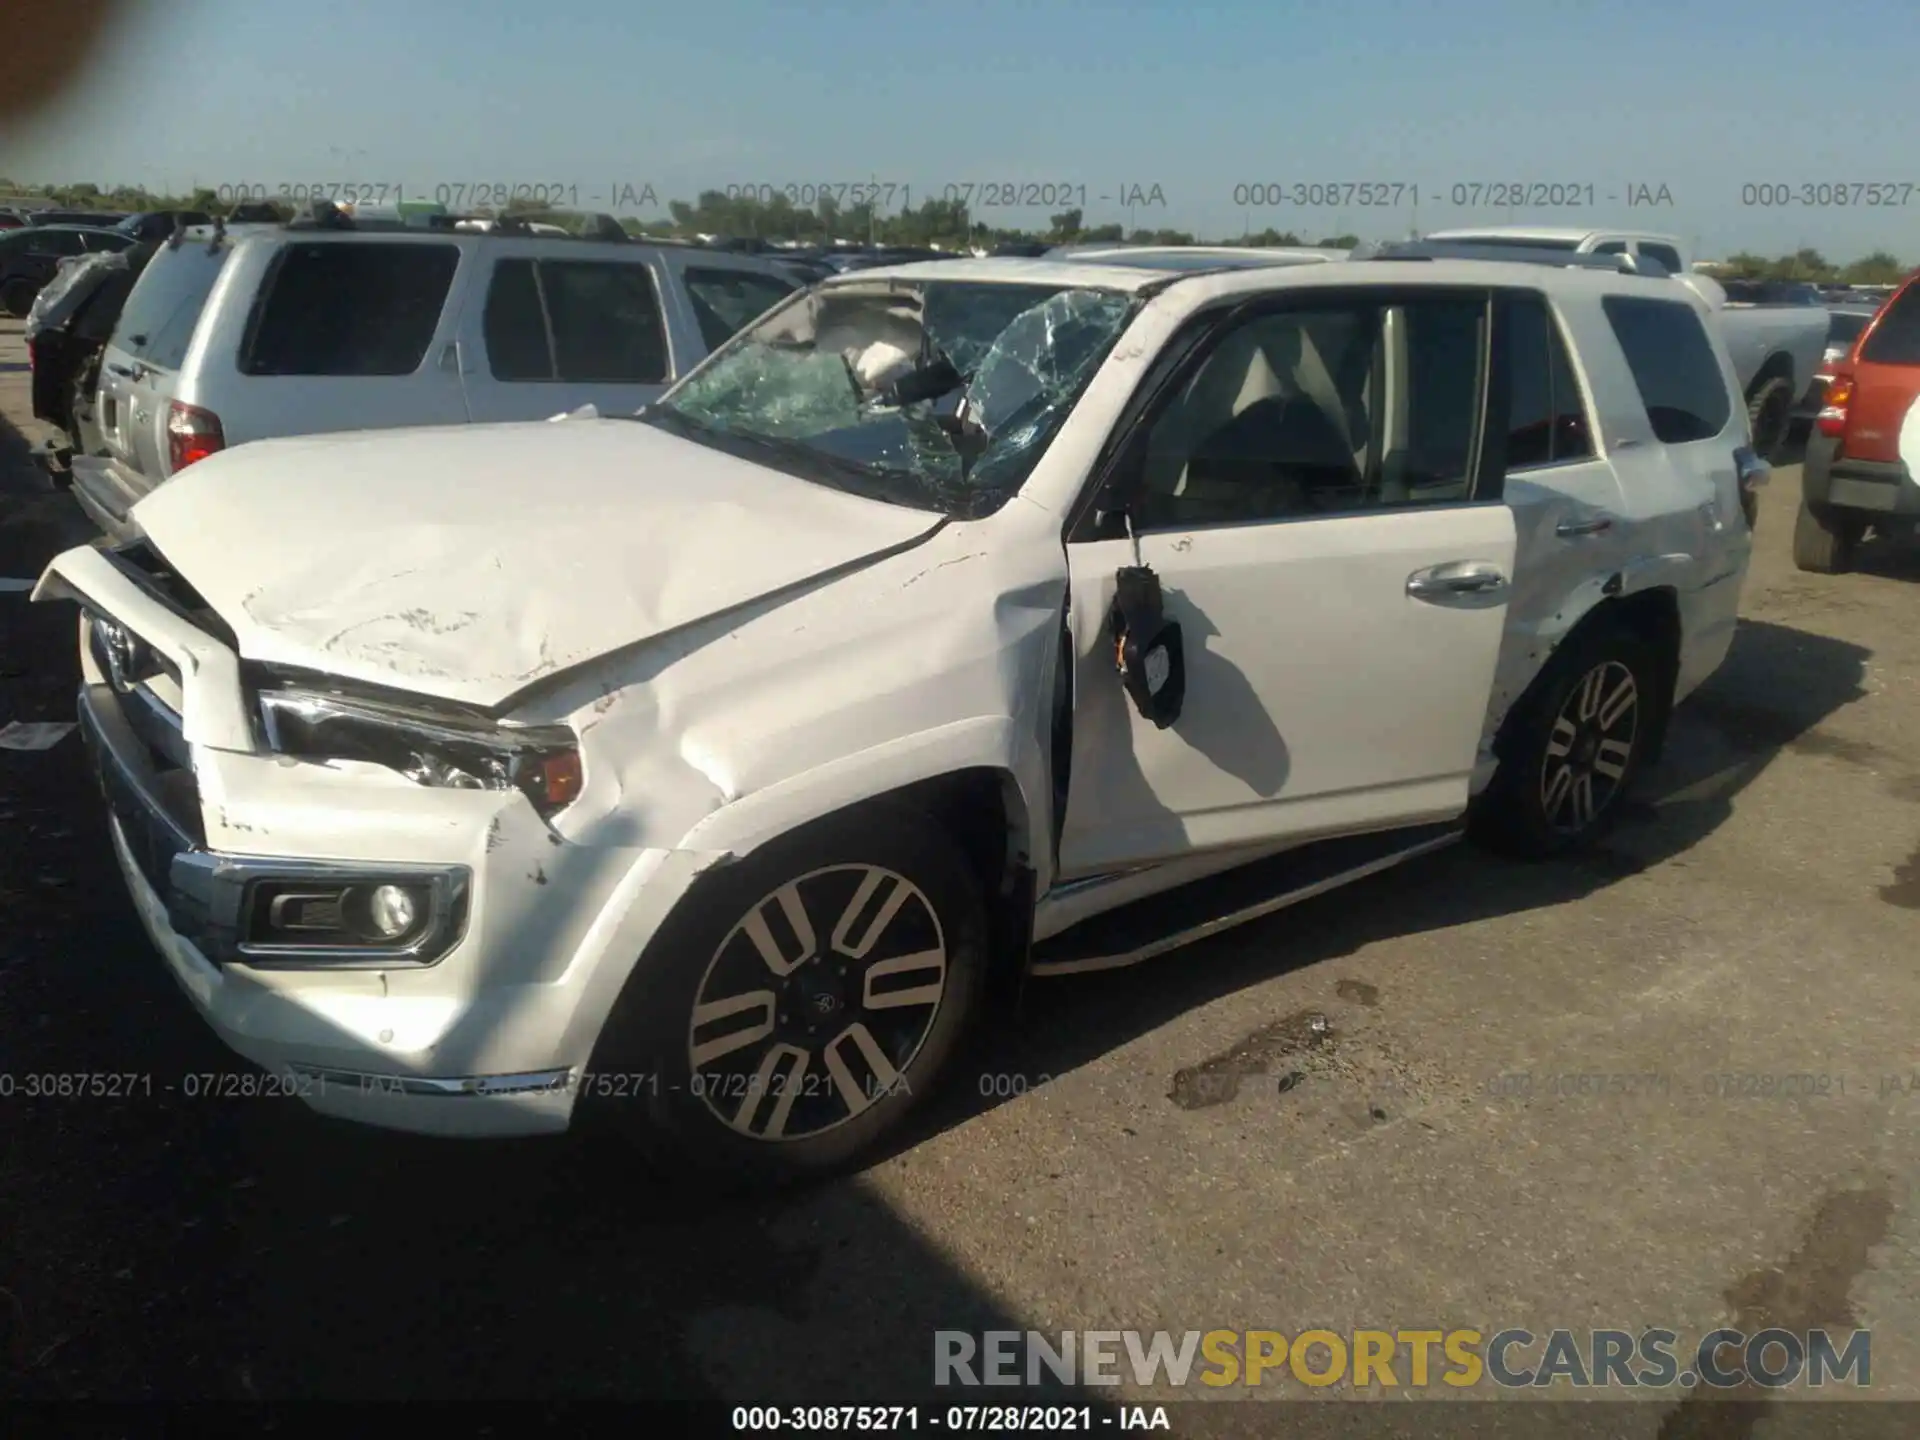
<point>277,330</point>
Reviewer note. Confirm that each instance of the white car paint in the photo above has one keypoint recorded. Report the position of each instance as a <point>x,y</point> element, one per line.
<point>740,652</point>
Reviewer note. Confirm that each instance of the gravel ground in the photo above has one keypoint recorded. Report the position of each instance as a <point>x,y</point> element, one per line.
<point>1183,1152</point>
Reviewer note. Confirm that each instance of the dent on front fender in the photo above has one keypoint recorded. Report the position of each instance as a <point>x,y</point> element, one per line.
<point>726,735</point>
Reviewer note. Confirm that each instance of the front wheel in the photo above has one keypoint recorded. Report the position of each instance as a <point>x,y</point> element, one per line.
<point>800,1002</point>
<point>16,298</point>
<point>1572,748</point>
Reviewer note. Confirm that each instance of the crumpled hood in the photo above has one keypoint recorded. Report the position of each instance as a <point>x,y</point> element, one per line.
<point>467,562</point>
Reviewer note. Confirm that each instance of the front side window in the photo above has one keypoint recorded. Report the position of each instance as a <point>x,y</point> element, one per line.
<point>359,308</point>
<point>1303,413</point>
<point>1663,255</point>
<point>582,321</point>
<point>1673,365</point>
<point>939,395</point>
<point>726,301</point>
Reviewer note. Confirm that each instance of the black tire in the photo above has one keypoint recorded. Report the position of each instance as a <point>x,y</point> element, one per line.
<point>16,298</point>
<point>1770,417</point>
<point>1824,540</point>
<point>1532,809</point>
<point>673,1111</point>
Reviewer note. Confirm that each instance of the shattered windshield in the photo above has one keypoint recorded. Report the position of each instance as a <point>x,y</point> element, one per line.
<point>937,394</point>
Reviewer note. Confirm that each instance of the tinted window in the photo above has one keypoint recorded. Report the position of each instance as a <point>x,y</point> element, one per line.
<point>606,322</point>
<point>725,301</point>
<point>1845,329</point>
<point>1611,247</point>
<point>1664,255</point>
<point>1896,339</point>
<point>56,242</point>
<point>1674,367</point>
<point>349,309</point>
<point>1444,341</point>
<point>160,316</point>
<point>1546,417</point>
<point>518,347</point>
<point>1511,242</point>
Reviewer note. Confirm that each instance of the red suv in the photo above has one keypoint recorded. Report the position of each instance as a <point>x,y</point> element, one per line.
<point>1853,476</point>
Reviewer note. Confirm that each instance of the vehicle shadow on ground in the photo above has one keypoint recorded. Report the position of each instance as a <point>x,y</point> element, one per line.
<point>158,1241</point>
<point>1776,686</point>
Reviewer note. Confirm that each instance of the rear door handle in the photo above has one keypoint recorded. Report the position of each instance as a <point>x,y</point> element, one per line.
<point>122,371</point>
<point>1472,583</point>
<point>1569,529</point>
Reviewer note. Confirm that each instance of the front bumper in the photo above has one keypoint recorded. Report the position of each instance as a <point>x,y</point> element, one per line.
<point>488,1035</point>
<point>1830,480</point>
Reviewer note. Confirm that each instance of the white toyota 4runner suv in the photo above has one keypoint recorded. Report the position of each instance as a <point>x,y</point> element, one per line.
<point>705,770</point>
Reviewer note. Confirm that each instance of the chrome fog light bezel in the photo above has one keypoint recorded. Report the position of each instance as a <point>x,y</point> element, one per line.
<point>217,903</point>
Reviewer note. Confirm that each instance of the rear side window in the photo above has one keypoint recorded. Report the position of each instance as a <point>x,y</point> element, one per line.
<point>1896,339</point>
<point>1674,367</point>
<point>726,301</point>
<point>164,309</point>
<point>349,309</point>
<point>588,322</point>
<point>1546,418</point>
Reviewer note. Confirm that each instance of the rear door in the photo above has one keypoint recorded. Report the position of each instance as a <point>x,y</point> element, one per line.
<point>1311,488</point>
<point>544,333</point>
<point>1886,377</point>
<point>348,333</point>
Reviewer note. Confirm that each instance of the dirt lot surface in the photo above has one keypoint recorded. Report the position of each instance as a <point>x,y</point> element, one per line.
<point>1738,969</point>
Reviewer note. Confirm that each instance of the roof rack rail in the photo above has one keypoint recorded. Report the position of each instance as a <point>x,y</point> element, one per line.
<point>1511,255</point>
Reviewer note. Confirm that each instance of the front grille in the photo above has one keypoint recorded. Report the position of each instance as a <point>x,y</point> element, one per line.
<point>150,737</point>
<point>149,569</point>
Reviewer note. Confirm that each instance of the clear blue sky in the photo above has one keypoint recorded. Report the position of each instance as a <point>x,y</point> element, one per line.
<point>1192,97</point>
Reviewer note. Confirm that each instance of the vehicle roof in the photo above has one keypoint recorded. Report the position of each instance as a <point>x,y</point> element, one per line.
<point>1577,234</point>
<point>423,235</point>
<point>1195,257</point>
<point>1226,280</point>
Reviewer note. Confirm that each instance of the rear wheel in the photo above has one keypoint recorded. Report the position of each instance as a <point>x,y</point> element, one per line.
<point>1769,414</point>
<point>1824,540</point>
<point>799,1003</point>
<point>1573,747</point>
<point>16,297</point>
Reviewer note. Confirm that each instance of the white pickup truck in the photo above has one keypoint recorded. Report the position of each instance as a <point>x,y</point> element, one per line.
<point>1776,349</point>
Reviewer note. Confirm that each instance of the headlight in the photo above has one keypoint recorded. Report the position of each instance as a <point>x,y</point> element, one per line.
<point>454,752</point>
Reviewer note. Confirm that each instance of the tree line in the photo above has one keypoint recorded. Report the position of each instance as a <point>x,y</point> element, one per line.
<point>945,223</point>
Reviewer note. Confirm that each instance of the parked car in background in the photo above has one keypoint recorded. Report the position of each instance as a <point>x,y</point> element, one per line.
<point>452,772</point>
<point>306,328</point>
<point>104,219</point>
<point>1776,347</point>
<point>1855,476</point>
<point>158,224</point>
<point>12,219</point>
<point>66,332</point>
<point>30,256</point>
<point>1844,324</point>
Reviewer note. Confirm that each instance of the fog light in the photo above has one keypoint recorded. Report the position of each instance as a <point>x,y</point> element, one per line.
<point>392,910</point>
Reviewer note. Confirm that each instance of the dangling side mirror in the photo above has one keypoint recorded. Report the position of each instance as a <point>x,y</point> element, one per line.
<point>1147,647</point>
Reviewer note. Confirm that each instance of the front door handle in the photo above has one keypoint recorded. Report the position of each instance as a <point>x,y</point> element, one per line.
<point>1568,529</point>
<point>123,371</point>
<point>1471,583</point>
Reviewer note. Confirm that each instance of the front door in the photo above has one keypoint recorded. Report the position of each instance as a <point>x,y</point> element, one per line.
<point>1310,490</point>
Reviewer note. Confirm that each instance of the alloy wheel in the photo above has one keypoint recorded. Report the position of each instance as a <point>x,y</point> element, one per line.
<point>1590,748</point>
<point>817,1001</point>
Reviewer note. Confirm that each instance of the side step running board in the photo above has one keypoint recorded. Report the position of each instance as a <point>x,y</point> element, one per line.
<point>1147,928</point>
